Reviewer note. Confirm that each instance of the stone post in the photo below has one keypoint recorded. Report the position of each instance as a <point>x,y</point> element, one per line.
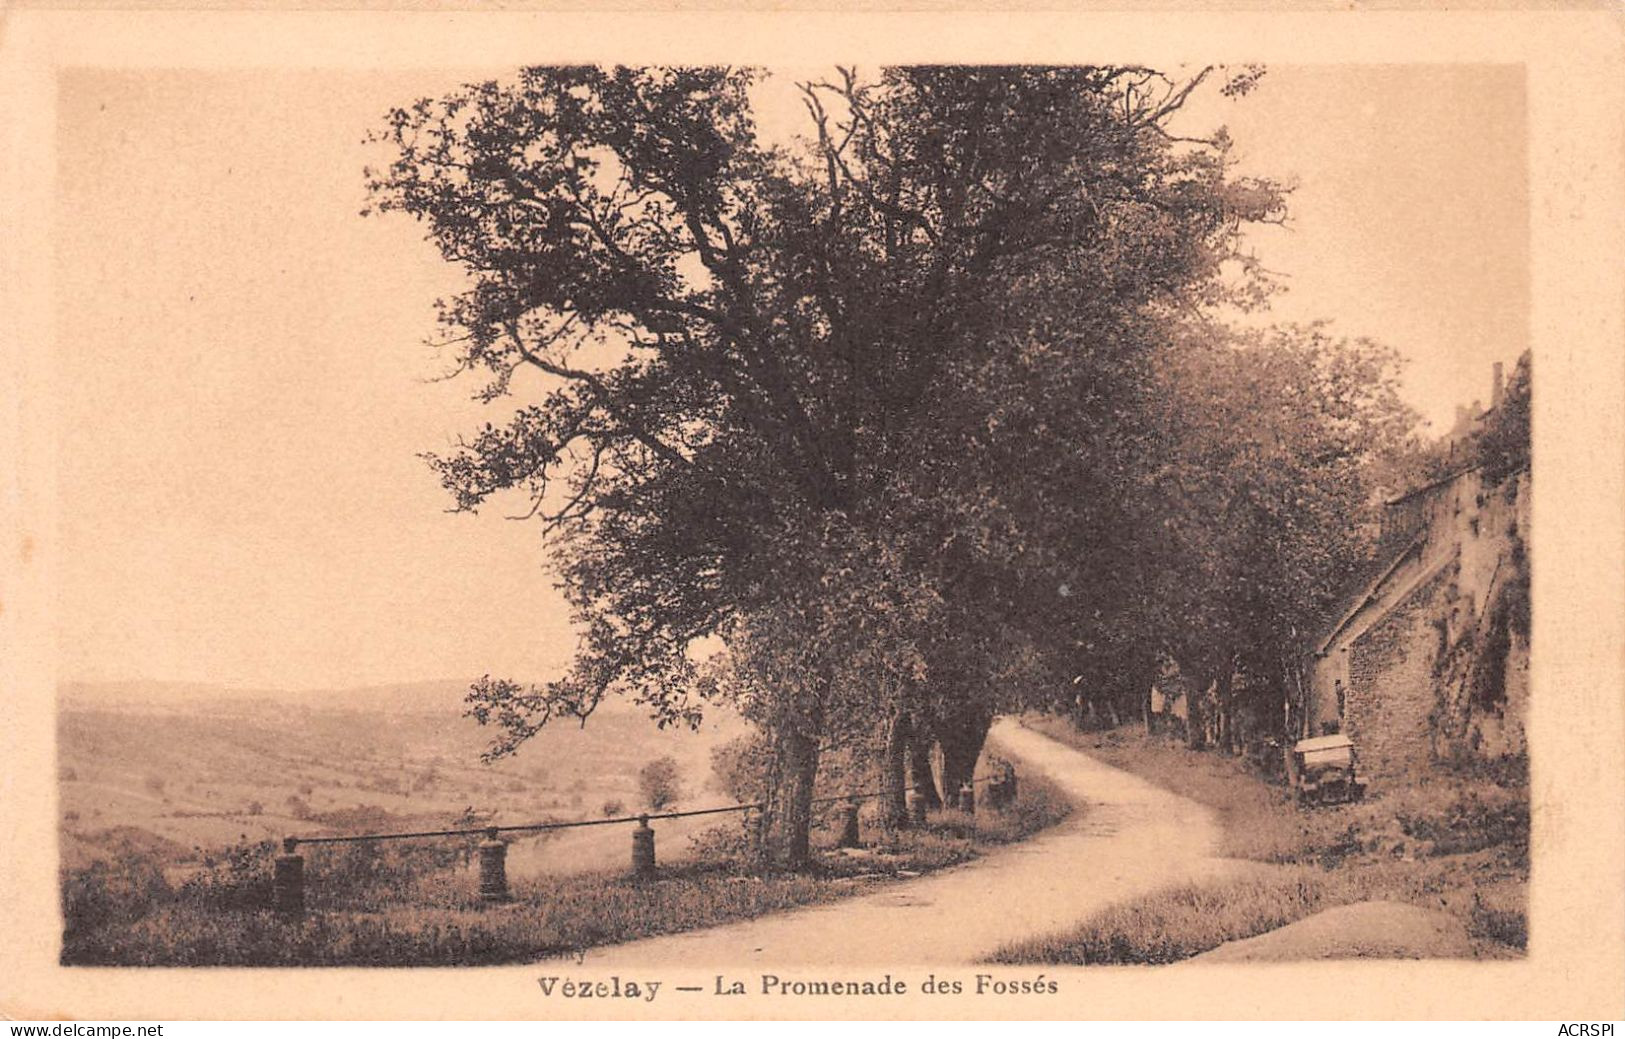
<point>849,825</point>
<point>916,808</point>
<point>643,849</point>
<point>493,868</point>
<point>288,880</point>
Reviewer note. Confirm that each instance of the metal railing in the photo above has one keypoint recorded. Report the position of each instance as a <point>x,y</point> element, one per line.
<point>288,884</point>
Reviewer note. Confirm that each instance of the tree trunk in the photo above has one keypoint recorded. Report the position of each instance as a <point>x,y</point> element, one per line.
<point>1224,688</point>
<point>1295,711</point>
<point>1195,719</point>
<point>962,739</point>
<point>919,767</point>
<point>1145,710</point>
<point>789,818</point>
<point>894,797</point>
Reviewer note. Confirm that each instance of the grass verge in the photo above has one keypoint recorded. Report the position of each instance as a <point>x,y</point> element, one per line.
<point>1183,921</point>
<point>1457,843</point>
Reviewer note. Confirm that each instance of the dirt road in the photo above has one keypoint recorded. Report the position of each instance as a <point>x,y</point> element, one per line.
<point>1126,839</point>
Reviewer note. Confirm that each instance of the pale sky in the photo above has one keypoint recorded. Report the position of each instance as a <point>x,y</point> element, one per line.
<point>244,387</point>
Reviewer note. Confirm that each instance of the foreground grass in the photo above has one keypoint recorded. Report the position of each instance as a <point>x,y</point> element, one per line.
<point>1183,921</point>
<point>1459,843</point>
<point>414,905</point>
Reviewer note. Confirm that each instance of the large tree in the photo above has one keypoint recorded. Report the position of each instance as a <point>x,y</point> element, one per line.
<point>746,368</point>
<point>1265,498</point>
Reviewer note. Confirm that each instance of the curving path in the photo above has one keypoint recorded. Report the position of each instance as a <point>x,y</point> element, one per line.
<point>1127,838</point>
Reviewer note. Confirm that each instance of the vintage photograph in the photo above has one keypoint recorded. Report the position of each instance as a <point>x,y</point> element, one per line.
<point>1008,517</point>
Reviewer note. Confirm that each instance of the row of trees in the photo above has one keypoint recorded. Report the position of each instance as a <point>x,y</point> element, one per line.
<point>921,417</point>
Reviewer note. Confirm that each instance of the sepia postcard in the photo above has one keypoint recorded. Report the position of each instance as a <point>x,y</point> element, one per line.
<point>980,514</point>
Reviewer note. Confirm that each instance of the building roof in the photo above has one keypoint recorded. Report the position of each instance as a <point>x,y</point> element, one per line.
<point>1361,598</point>
<point>1440,482</point>
<point>1331,742</point>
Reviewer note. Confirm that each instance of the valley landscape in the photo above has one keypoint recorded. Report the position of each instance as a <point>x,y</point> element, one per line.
<point>174,800</point>
<point>180,772</point>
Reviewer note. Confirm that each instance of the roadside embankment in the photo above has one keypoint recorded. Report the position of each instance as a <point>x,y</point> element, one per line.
<point>1456,844</point>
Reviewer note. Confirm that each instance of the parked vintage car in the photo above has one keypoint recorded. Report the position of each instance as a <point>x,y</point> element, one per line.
<point>1324,770</point>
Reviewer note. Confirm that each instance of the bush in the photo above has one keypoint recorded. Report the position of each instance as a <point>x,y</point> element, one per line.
<point>1471,820</point>
<point>362,818</point>
<point>1509,927</point>
<point>741,767</point>
<point>370,875</point>
<point>613,808</point>
<point>660,783</point>
<point>732,848</point>
<point>238,877</point>
<point>113,893</point>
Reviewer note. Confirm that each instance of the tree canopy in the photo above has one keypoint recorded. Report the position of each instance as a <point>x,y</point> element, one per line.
<point>921,412</point>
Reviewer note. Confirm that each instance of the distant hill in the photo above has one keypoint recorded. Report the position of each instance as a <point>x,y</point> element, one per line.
<point>189,765</point>
<point>437,697</point>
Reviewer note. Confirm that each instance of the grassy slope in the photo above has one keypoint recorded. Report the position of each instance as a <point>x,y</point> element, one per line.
<point>193,779</point>
<point>1457,843</point>
<point>414,904</point>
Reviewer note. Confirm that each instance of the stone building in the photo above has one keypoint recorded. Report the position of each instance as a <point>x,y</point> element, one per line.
<point>1430,660</point>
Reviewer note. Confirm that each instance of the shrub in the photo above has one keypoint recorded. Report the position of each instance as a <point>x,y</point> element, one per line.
<point>613,808</point>
<point>359,819</point>
<point>741,767</point>
<point>113,893</point>
<point>731,848</point>
<point>238,877</point>
<point>1509,927</point>
<point>659,783</point>
<point>370,875</point>
<point>1039,804</point>
<point>1469,821</point>
<point>135,843</point>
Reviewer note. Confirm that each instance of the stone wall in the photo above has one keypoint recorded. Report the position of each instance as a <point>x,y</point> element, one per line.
<point>1389,702</point>
<point>1483,681</point>
<point>1439,670</point>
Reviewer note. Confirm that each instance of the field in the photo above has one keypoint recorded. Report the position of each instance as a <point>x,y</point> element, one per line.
<point>180,774</point>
